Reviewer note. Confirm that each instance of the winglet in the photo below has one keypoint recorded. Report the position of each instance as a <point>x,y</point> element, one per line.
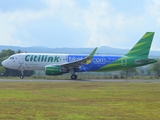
<point>91,55</point>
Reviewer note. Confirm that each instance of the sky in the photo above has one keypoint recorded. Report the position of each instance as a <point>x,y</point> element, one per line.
<point>78,23</point>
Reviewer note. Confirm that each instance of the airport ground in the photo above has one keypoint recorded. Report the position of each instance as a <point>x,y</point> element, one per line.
<point>81,99</point>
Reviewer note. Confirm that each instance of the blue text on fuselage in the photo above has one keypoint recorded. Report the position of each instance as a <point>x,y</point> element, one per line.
<point>95,60</point>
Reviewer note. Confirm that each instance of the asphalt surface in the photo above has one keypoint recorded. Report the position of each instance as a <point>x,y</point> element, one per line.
<point>87,80</point>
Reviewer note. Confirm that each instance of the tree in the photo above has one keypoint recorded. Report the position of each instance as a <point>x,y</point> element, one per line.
<point>19,51</point>
<point>155,67</point>
<point>7,53</point>
<point>129,72</point>
<point>2,69</point>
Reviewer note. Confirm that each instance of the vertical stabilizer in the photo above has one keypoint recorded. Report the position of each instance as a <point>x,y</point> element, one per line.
<point>142,47</point>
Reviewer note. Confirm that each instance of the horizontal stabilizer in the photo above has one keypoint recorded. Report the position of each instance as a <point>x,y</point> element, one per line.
<point>145,61</point>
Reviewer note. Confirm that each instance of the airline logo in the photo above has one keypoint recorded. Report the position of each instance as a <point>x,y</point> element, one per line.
<point>41,58</point>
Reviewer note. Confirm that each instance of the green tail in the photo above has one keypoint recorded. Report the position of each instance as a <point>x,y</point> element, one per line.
<point>142,47</point>
<point>137,56</point>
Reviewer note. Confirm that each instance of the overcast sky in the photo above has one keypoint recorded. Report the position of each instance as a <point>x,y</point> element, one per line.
<point>78,23</point>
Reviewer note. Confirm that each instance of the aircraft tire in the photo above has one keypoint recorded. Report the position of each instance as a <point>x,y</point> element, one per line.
<point>73,77</point>
<point>21,76</point>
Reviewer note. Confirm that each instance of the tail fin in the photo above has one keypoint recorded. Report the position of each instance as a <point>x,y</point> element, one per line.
<point>142,47</point>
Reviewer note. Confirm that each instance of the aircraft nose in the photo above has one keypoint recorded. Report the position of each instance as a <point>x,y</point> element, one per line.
<point>4,63</point>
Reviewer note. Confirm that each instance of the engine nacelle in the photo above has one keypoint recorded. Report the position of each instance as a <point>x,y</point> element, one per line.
<point>53,70</point>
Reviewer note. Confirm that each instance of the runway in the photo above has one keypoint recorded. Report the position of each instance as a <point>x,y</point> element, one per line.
<point>87,80</point>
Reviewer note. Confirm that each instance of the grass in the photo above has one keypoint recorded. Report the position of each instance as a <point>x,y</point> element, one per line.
<point>79,101</point>
<point>67,76</point>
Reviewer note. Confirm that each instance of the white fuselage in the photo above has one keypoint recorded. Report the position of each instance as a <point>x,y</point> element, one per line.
<point>34,61</point>
<point>39,61</point>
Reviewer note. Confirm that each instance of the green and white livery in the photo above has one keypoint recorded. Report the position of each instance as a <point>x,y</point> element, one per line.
<point>57,64</point>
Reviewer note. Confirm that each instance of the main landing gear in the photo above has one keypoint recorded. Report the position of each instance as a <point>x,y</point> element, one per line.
<point>73,76</point>
<point>22,74</point>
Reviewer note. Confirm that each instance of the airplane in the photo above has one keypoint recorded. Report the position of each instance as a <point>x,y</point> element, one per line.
<point>58,64</point>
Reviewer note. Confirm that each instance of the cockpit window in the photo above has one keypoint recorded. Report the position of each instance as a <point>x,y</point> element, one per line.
<point>11,58</point>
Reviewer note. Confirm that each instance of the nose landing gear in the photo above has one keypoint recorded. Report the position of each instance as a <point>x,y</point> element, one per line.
<point>22,74</point>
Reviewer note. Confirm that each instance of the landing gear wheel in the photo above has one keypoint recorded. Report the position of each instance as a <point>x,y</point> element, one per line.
<point>22,76</point>
<point>73,77</point>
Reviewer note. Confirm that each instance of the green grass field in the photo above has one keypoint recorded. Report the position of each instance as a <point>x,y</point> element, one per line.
<point>79,101</point>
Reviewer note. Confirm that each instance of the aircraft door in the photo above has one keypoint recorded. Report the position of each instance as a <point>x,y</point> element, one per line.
<point>124,61</point>
<point>21,61</point>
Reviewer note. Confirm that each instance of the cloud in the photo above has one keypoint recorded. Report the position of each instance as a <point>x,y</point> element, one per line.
<point>99,23</point>
<point>106,26</point>
<point>154,10</point>
<point>10,23</point>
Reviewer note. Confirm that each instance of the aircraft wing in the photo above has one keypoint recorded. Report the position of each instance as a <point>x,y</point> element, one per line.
<point>78,63</point>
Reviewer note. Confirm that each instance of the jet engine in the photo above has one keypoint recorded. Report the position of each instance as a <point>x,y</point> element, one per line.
<point>53,70</point>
